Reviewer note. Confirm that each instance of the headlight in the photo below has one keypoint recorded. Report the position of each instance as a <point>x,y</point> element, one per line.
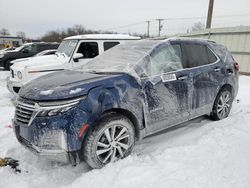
<point>58,107</point>
<point>54,112</point>
<point>19,75</point>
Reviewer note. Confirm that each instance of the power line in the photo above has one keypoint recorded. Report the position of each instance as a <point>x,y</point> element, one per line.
<point>174,19</point>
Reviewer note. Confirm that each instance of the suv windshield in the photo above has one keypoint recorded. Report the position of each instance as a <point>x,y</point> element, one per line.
<point>67,47</point>
<point>121,58</point>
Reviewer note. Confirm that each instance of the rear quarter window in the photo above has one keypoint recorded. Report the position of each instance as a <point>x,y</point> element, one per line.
<point>108,45</point>
<point>222,52</point>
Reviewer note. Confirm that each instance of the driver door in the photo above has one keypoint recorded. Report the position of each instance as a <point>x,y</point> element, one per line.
<point>88,49</point>
<point>167,89</point>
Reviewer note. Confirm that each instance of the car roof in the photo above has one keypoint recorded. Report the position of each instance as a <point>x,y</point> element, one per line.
<point>104,37</point>
<point>187,39</point>
<point>41,43</point>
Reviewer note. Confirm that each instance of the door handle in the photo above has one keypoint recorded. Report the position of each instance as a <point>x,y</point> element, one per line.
<point>183,78</point>
<point>217,69</point>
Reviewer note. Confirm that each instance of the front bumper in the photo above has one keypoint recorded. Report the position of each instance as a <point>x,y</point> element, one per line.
<point>60,156</point>
<point>55,138</point>
<point>13,86</point>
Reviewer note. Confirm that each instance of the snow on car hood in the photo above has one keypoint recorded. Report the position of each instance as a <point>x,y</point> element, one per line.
<point>39,61</point>
<point>62,85</point>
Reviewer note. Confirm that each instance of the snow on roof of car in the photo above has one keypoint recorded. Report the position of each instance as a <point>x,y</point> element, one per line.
<point>104,36</point>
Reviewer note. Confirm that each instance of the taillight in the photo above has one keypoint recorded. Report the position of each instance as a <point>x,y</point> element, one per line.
<point>236,66</point>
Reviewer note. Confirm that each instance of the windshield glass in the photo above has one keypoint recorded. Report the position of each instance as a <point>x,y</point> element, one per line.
<point>19,48</point>
<point>122,58</point>
<point>67,47</point>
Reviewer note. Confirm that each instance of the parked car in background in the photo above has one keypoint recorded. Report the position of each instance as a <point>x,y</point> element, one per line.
<point>27,50</point>
<point>131,91</point>
<point>72,53</point>
<point>42,53</point>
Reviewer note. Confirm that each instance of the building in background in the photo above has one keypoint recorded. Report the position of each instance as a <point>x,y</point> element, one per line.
<point>236,39</point>
<point>9,41</point>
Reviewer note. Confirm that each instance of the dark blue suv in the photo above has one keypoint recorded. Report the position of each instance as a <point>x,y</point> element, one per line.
<point>131,91</point>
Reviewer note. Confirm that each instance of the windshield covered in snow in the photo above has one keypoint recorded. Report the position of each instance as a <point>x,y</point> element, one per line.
<point>19,48</point>
<point>139,59</point>
<point>67,47</point>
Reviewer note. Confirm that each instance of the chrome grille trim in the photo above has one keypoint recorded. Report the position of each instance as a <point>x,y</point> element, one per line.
<point>27,110</point>
<point>25,113</point>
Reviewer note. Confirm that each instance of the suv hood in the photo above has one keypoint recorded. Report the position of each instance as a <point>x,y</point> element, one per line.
<point>39,61</point>
<point>62,85</point>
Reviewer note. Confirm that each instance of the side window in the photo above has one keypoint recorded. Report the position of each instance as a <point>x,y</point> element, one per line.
<point>211,57</point>
<point>42,47</point>
<point>31,48</point>
<point>196,55</point>
<point>88,50</point>
<point>108,45</point>
<point>165,59</point>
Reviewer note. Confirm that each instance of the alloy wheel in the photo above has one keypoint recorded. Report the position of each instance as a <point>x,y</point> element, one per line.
<point>113,143</point>
<point>224,104</point>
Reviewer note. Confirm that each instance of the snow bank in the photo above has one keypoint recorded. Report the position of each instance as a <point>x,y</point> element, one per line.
<point>203,154</point>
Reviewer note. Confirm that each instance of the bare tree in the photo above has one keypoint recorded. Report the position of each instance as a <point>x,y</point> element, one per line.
<point>21,34</point>
<point>4,32</point>
<point>198,26</point>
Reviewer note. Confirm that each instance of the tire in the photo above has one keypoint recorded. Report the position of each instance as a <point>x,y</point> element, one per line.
<point>7,64</point>
<point>101,146</point>
<point>222,105</point>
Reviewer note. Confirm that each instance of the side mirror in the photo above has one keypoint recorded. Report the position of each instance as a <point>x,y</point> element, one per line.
<point>77,56</point>
<point>25,50</point>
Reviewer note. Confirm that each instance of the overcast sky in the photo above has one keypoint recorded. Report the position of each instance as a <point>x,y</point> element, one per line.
<point>35,17</point>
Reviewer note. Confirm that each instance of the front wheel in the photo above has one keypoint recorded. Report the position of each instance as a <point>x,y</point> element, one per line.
<point>112,139</point>
<point>222,105</point>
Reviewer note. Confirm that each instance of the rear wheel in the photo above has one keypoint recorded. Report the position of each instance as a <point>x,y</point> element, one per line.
<point>222,105</point>
<point>112,139</point>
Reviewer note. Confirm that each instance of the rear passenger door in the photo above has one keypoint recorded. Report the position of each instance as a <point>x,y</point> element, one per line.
<point>205,69</point>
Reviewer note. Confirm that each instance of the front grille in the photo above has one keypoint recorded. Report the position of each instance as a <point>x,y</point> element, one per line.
<point>24,111</point>
<point>12,74</point>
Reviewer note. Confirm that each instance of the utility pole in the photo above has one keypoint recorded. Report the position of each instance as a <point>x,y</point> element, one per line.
<point>148,22</point>
<point>160,26</point>
<point>210,14</point>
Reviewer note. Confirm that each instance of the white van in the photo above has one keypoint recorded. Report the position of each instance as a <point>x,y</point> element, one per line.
<point>73,52</point>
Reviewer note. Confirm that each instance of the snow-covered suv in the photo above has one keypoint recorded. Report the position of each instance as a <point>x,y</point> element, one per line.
<point>131,91</point>
<point>72,53</point>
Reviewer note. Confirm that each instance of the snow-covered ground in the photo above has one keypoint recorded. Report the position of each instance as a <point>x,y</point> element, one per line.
<point>203,154</point>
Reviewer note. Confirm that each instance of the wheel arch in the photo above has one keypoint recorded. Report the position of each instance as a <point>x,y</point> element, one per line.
<point>129,115</point>
<point>229,87</point>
